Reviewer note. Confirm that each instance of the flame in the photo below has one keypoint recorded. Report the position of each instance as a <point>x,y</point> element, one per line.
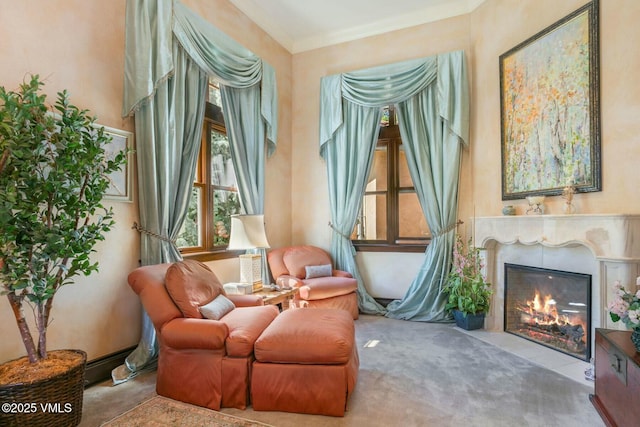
<point>547,308</point>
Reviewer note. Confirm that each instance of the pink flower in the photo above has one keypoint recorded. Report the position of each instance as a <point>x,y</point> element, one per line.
<point>625,306</point>
<point>618,306</point>
<point>467,263</point>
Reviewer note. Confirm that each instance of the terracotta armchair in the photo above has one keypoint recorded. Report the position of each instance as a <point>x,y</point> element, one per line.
<point>309,269</point>
<point>202,361</point>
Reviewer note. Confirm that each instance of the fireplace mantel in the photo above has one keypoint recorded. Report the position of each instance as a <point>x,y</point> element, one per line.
<point>613,237</point>
<point>554,241</point>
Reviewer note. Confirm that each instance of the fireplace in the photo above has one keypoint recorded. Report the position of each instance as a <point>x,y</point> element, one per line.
<point>549,307</point>
<point>604,246</point>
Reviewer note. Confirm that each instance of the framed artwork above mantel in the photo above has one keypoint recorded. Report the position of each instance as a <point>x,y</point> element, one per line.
<point>550,109</point>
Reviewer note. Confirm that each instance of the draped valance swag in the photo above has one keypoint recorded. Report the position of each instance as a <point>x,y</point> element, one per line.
<point>150,31</point>
<point>432,99</point>
<point>170,53</point>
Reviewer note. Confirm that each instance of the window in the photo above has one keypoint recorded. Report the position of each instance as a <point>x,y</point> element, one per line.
<point>215,191</point>
<point>390,218</point>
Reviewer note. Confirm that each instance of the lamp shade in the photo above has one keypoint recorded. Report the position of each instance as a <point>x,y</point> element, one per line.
<point>247,232</point>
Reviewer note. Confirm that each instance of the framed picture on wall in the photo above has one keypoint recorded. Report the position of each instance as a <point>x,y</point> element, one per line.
<point>550,109</point>
<point>121,185</point>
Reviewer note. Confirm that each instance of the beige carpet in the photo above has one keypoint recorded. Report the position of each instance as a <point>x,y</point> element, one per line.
<point>419,375</point>
<point>161,411</point>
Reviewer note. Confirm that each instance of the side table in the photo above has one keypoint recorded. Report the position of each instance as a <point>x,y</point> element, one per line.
<point>280,298</point>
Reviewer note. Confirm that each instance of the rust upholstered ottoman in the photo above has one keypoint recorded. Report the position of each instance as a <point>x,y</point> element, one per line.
<point>306,362</point>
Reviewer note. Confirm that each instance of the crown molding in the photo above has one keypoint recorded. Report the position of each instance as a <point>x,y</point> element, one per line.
<point>436,11</point>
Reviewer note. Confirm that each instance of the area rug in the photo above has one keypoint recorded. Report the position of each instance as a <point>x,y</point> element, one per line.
<point>161,411</point>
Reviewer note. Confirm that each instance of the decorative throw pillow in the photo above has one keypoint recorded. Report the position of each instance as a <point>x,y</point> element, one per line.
<point>314,271</point>
<point>217,308</point>
<point>297,257</point>
<point>192,284</point>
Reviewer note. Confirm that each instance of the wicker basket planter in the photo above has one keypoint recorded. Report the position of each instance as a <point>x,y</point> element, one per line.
<point>53,401</point>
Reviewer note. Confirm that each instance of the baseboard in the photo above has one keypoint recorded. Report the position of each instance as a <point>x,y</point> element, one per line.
<point>99,370</point>
<point>383,301</point>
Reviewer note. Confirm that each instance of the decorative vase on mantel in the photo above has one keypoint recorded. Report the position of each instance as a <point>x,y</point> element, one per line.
<point>509,210</point>
<point>635,338</point>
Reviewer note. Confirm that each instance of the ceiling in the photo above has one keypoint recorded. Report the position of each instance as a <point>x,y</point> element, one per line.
<point>301,25</point>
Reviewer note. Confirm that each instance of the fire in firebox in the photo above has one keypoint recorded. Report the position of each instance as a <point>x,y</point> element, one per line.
<point>549,307</point>
<point>542,321</point>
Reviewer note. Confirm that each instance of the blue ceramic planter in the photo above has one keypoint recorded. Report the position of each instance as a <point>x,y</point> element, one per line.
<point>470,321</point>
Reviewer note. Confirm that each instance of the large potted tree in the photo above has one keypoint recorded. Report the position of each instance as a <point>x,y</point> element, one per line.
<point>53,175</point>
<point>468,294</point>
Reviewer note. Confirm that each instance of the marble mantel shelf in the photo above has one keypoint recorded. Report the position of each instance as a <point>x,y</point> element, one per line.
<point>608,236</point>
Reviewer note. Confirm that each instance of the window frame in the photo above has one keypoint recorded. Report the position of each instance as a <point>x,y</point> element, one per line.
<point>213,121</point>
<point>389,136</point>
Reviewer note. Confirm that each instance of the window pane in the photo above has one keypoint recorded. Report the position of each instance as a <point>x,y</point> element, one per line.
<point>225,204</point>
<point>378,175</point>
<point>384,121</point>
<point>372,222</point>
<point>190,234</point>
<point>214,93</point>
<point>411,222</point>
<point>389,117</point>
<point>222,173</point>
<point>403,169</point>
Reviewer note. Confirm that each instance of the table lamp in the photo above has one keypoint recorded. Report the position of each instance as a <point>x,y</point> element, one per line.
<point>247,232</point>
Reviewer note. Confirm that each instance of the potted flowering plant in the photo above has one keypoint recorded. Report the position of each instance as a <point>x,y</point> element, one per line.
<point>625,307</point>
<point>469,294</point>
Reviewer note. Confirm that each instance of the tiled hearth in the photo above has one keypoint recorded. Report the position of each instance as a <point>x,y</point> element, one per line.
<point>605,246</point>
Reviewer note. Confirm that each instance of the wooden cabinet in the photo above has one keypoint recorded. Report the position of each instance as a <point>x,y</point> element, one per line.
<point>617,386</point>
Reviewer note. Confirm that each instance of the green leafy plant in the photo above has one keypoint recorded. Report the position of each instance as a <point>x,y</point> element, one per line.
<point>53,175</point>
<point>226,204</point>
<point>466,287</point>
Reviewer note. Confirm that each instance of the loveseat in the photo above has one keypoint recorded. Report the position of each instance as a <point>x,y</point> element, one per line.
<point>202,361</point>
<point>309,268</point>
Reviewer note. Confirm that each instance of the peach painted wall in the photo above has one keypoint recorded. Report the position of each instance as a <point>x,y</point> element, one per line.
<point>497,26</point>
<point>487,32</point>
<point>78,45</point>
